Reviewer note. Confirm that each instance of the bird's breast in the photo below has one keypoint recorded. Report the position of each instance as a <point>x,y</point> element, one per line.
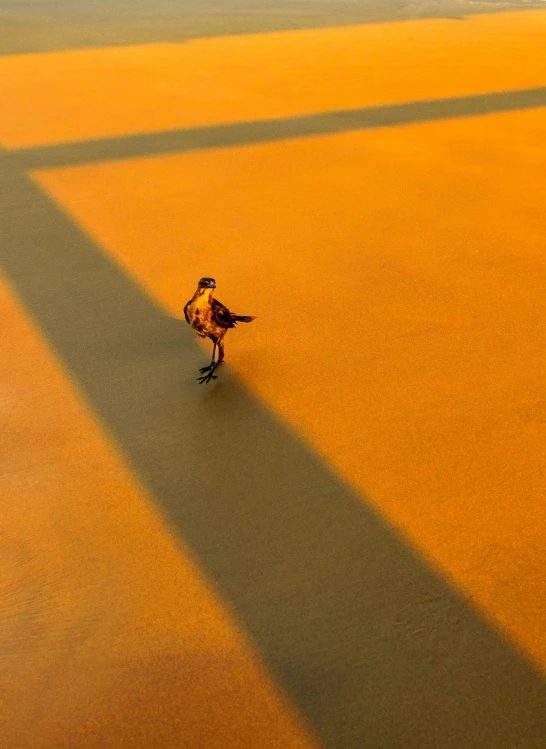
<point>200,318</point>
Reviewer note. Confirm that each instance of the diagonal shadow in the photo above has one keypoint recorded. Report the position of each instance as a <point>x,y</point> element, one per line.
<point>262,131</point>
<point>372,645</point>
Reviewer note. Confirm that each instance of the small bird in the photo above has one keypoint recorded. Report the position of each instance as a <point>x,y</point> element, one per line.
<point>211,319</point>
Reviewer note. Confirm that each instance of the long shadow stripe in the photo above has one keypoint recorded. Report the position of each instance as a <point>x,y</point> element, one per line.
<point>262,131</point>
<point>86,25</point>
<point>374,648</point>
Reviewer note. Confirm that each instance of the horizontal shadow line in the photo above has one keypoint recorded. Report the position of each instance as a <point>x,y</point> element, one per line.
<point>264,131</point>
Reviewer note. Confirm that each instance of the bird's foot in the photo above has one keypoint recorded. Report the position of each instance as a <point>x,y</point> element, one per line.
<point>209,374</point>
<point>207,369</point>
<point>206,378</point>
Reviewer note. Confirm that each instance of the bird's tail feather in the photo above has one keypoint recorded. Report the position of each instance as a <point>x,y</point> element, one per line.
<point>243,318</point>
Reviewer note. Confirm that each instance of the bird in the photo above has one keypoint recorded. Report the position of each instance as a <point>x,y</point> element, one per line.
<point>211,319</point>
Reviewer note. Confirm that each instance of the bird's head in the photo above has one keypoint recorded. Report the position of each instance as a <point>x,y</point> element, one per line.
<point>206,283</point>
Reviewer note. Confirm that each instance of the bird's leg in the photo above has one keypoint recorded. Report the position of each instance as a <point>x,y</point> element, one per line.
<point>210,374</point>
<point>211,365</point>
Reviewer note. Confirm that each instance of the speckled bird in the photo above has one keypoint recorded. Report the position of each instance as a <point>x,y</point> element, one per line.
<point>211,319</point>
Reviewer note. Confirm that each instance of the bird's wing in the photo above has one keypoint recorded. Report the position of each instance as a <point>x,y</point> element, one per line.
<point>221,315</point>
<point>186,313</point>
